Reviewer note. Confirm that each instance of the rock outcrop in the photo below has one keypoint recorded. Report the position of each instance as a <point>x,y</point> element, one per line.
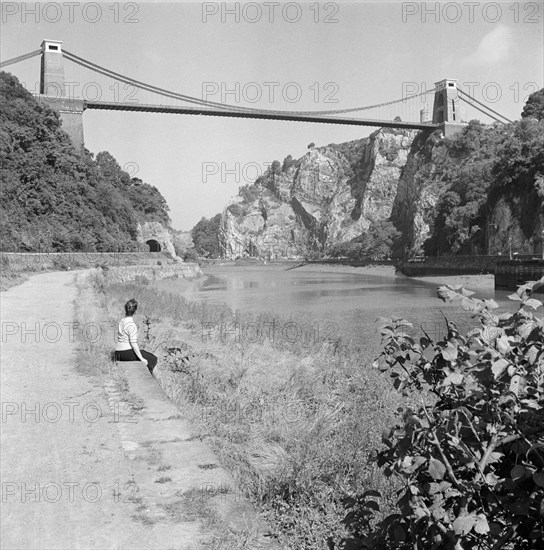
<point>331,194</point>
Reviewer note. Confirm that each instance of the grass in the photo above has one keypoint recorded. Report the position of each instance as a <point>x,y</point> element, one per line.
<point>207,466</point>
<point>193,505</point>
<point>295,423</point>
<point>144,518</point>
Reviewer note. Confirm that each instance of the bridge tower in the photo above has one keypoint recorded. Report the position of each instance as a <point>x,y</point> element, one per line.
<point>446,108</point>
<point>53,92</point>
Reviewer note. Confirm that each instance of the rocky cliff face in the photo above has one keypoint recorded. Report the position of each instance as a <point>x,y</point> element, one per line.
<point>335,193</point>
<point>512,229</point>
<point>418,191</point>
<point>331,194</point>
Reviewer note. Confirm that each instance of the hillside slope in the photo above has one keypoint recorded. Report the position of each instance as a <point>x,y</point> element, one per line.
<point>55,199</point>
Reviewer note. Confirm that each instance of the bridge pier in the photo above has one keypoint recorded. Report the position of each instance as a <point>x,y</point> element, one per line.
<point>52,92</point>
<point>446,108</point>
<point>449,129</point>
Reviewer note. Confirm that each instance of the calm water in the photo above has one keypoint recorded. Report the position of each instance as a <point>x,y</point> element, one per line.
<point>340,304</point>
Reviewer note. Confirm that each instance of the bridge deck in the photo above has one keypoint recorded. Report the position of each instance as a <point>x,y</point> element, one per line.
<point>114,106</point>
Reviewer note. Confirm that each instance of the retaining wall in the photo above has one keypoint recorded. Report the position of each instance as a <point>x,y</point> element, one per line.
<point>511,274</point>
<point>453,265</point>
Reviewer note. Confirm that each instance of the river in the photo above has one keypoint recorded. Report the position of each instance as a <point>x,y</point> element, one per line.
<point>344,305</point>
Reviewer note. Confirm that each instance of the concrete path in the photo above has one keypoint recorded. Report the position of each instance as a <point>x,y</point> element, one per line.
<point>78,469</point>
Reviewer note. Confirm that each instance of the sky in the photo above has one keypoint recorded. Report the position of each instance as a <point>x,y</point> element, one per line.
<point>296,56</point>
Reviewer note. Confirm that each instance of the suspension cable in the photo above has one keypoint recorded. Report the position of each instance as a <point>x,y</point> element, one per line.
<point>481,110</point>
<point>484,105</point>
<point>20,58</point>
<point>190,99</point>
<point>174,95</point>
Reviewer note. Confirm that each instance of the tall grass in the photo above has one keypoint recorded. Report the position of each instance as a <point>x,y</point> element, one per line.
<point>295,423</point>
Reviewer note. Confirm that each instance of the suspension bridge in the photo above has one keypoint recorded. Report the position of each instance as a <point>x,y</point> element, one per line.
<point>79,84</point>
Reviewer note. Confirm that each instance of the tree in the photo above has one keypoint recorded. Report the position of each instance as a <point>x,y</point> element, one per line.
<point>205,236</point>
<point>375,244</point>
<point>464,180</point>
<point>378,242</point>
<point>249,193</point>
<point>288,161</point>
<point>517,172</point>
<point>534,107</point>
<point>275,168</point>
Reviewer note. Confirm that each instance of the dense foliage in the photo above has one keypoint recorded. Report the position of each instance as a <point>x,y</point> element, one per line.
<point>205,236</point>
<point>56,199</point>
<point>374,244</point>
<point>471,460</point>
<point>534,108</point>
<point>486,165</point>
<point>465,181</point>
<point>249,193</point>
<point>486,181</point>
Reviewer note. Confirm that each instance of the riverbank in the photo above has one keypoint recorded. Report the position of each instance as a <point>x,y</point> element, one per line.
<point>470,282</point>
<point>291,413</point>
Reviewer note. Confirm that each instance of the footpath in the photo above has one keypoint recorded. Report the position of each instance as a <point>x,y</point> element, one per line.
<point>82,470</point>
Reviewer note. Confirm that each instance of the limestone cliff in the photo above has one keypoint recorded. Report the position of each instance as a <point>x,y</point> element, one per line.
<point>443,195</point>
<point>331,194</point>
<point>418,191</point>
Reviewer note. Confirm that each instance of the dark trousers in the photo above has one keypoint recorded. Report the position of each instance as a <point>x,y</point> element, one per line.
<point>130,355</point>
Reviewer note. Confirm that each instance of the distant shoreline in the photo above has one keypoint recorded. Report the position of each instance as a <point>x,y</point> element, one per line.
<point>470,282</point>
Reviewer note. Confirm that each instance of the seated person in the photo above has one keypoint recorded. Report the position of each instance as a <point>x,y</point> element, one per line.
<point>127,348</point>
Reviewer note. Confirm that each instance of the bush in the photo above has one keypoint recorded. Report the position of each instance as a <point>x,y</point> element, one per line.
<point>205,235</point>
<point>472,458</point>
<point>141,280</point>
<point>249,193</point>
<point>190,255</point>
<point>288,162</point>
<point>236,210</point>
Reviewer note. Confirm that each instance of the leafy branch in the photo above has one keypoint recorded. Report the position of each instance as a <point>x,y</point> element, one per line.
<point>470,459</point>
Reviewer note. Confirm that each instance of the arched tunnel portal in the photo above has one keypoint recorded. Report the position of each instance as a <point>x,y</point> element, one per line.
<point>154,245</point>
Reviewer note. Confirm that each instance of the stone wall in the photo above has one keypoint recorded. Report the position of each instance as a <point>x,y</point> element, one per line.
<point>454,265</point>
<point>125,274</point>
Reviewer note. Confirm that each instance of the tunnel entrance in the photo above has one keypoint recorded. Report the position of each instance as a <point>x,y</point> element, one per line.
<point>154,246</point>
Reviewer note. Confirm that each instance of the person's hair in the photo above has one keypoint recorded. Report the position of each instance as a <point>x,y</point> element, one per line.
<point>130,307</point>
